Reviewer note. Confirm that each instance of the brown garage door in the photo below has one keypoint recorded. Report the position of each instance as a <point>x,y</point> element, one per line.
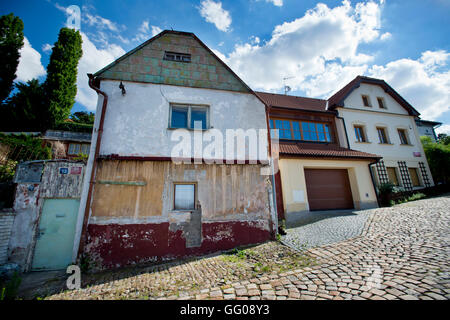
<point>328,189</point>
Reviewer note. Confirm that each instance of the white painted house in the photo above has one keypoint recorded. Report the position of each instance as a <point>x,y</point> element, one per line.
<point>378,120</point>
<point>139,205</point>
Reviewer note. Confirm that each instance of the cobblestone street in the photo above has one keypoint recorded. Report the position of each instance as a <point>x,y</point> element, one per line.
<point>402,253</point>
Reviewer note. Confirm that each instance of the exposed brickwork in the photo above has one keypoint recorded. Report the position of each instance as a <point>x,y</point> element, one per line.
<point>147,65</point>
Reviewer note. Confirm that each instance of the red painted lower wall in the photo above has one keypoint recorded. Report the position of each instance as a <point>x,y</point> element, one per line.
<point>116,245</point>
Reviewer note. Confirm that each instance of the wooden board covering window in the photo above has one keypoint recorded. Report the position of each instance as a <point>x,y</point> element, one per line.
<point>392,174</point>
<point>328,189</point>
<point>414,177</point>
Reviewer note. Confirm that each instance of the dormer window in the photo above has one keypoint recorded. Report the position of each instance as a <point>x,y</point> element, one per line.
<point>174,56</point>
<point>366,101</point>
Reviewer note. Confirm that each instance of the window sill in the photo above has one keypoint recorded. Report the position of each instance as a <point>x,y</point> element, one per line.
<point>182,211</point>
<point>387,144</point>
<point>365,142</point>
<point>190,129</point>
<point>406,145</point>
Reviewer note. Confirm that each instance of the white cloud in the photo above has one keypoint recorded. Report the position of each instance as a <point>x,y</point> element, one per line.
<point>30,65</point>
<point>321,45</point>
<point>278,3</point>
<point>47,48</point>
<point>386,36</point>
<point>100,22</point>
<point>445,128</point>
<point>93,60</point>
<point>144,31</point>
<point>422,82</point>
<point>214,13</point>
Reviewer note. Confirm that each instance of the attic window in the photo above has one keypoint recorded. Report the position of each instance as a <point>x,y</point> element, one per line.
<point>174,56</point>
<point>366,101</point>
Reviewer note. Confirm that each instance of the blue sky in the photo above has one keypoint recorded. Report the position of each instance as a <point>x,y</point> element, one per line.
<point>319,46</point>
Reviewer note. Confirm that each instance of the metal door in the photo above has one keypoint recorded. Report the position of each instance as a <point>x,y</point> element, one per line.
<point>56,234</point>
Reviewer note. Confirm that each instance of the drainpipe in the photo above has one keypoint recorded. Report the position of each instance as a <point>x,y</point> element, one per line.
<point>373,180</point>
<point>94,163</point>
<point>274,191</point>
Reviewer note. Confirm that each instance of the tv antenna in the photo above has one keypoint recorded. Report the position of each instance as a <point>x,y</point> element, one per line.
<point>286,88</point>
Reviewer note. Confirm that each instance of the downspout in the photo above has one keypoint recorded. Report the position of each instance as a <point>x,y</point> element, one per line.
<point>274,191</point>
<point>94,164</point>
<point>373,180</point>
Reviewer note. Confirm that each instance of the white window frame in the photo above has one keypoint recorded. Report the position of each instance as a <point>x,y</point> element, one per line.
<point>195,195</point>
<point>189,107</point>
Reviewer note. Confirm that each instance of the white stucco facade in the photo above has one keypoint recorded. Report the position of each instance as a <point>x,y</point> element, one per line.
<point>392,118</point>
<point>137,123</point>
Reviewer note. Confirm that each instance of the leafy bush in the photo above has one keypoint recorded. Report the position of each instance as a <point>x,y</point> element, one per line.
<point>10,288</point>
<point>25,147</point>
<point>74,126</point>
<point>438,157</point>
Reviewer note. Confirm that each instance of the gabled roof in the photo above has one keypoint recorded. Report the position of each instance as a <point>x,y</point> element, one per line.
<point>111,71</point>
<point>292,102</point>
<point>322,150</point>
<point>428,122</point>
<point>337,100</point>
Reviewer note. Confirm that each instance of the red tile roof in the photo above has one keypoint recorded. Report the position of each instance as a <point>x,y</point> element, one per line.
<point>292,102</point>
<point>337,100</point>
<point>322,150</point>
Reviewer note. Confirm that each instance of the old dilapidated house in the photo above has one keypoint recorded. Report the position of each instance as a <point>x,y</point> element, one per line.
<point>137,204</point>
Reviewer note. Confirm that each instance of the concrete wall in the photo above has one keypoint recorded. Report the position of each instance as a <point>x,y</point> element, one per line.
<point>393,118</point>
<point>6,223</point>
<point>28,204</point>
<point>137,123</point>
<point>295,194</point>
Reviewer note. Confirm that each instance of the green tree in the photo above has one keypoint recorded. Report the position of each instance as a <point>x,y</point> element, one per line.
<point>443,138</point>
<point>60,86</point>
<point>11,40</point>
<point>83,117</point>
<point>438,157</point>
<point>25,110</point>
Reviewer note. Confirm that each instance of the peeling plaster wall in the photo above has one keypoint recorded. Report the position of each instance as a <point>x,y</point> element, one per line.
<point>116,245</point>
<point>132,224</point>
<point>137,124</point>
<point>26,207</point>
<point>28,204</point>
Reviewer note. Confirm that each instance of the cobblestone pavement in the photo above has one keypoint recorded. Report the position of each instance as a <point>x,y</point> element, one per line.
<point>329,229</point>
<point>402,253</point>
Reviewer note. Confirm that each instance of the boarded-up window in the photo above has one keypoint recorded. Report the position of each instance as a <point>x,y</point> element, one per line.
<point>392,174</point>
<point>184,196</point>
<point>414,177</point>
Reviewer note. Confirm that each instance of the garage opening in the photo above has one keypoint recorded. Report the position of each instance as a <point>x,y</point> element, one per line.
<point>328,189</point>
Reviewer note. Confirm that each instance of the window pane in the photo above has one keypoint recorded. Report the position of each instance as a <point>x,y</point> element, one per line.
<point>179,117</point>
<point>306,134</point>
<point>198,115</point>
<point>85,149</point>
<point>271,123</point>
<point>296,128</point>
<point>278,124</point>
<point>184,196</point>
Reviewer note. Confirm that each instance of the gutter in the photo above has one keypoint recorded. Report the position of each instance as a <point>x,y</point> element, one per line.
<point>82,242</point>
<point>373,179</point>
